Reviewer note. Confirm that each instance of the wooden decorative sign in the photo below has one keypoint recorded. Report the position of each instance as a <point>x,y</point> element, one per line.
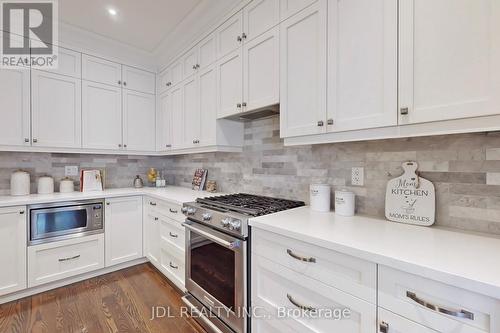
<point>410,199</point>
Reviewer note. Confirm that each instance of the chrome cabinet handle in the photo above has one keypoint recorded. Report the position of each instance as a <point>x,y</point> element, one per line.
<point>173,235</point>
<point>239,39</point>
<point>35,140</point>
<point>330,122</point>
<point>454,313</point>
<point>26,140</point>
<point>172,211</point>
<point>168,146</point>
<point>174,267</point>
<point>300,306</point>
<point>156,219</point>
<point>244,104</point>
<point>384,327</point>
<point>152,203</point>
<point>124,83</point>
<point>194,67</point>
<point>119,82</point>
<point>300,258</point>
<point>120,145</point>
<point>321,123</point>
<point>238,105</point>
<point>197,66</point>
<point>404,111</point>
<point>244,36</point>
<point>70,258</point>
<point>21,212</point>
<point>124,146</point>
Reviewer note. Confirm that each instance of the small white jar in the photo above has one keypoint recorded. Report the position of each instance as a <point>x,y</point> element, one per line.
<point>319,197</point>
<point>345,203</point>
<point>45,185</point>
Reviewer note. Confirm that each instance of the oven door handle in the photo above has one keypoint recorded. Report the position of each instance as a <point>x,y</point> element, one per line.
<point>214,238</point>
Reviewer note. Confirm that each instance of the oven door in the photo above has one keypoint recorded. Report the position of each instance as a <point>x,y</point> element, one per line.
<point>56,223</point>
<point>216,273</point>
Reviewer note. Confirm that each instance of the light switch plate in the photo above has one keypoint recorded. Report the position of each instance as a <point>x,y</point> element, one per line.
<point>71,170</point>
<point>358,176</point>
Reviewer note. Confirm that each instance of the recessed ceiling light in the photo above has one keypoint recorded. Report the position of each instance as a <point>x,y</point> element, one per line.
<point>112,11</point>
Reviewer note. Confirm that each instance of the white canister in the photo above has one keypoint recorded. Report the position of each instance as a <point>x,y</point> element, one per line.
<point>45,185</point>
<point>345,203</point>
<point>20,183</point>
<point>319,196</point>
<point>66,185</point>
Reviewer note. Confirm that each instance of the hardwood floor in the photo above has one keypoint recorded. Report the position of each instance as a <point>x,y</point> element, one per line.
<point>116,302</point>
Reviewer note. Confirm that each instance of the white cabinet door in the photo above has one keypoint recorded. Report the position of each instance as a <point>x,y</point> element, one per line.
<point>392,323</point>
<point>101,70</point>
<point>191,121</point>
<point>13,258</point>
<point>139,121</point>
<point>206,54</point>
<point>260,16</point>
<point>69,63</point>
<point>362,86</point>
<point>164,81</point>
<point>261,83</point>
<point>303,51</point>
<point>290,7</point>
<point>123,230</point>
<point>208,105</point>
<point>138,80</point>
<point>152,238</point>
<point>229,35</point>
<point>164,129</point>
<point>101,116</point>
<point>176,73</point>
<point>56,110</point>
<point>15,99</point>
<point>449,59</point>
<point>230,84</point>
<point>190,62</point>
<point>177,116</point>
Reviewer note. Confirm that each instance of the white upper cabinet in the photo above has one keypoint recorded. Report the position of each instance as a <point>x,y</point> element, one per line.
<point>261,71</point>
<point>164,123</point>
<point>15,109</point>
<point>260,16</point>
<point>123,232</point>
<point>290,7</point>
<point>230,84</point>
<point>56,110</point>
<point>101,70</point>
<point>138,80</point>
<point>69,63</point>
<point>303,53</point>
<point>449,59</point>
<point>206,51</point>
<point>13,258</point>
<point>190,62</point>
<point>176,72</point>
<point>191,121</point>
<point>177,107</point>
<point>229,35</point>
<point>101,116</point>
<point>164,80</point>
<point>139,121</point>
<point>208,105</point>
<point>362,85</point>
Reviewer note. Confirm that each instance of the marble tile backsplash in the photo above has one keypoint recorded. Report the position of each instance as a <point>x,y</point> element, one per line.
<point>465,169</point>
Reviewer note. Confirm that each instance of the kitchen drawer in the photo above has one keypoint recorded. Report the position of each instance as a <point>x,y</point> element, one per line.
<point>389,322</point>
<point>402,292</point>
<point>173,232</point>
<point>166,208</point>
<point>172,263</point>
<point>349,274</point>
<point>54,261</point>
<point>275,287</point>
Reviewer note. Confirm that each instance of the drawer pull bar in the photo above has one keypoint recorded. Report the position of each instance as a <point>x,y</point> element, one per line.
<point>300,306</point>
<point>173,235</point>
<point>293,255</point>
<point>174,267</point>
<point>70,258</point>
<point>454,313</point>
<point>172,211</point>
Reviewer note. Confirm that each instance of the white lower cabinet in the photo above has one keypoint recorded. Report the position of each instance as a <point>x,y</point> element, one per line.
<point>13,257</point>
<point>172,263</point>
<point>59,260</point>
<point>123,230</point>
<point>151,239</point>
<point>392,323</point>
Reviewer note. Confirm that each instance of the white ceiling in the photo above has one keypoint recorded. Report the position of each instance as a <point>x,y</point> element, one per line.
<point>143,24</point>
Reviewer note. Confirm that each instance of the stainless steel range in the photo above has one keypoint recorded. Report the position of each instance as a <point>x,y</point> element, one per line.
<point>217,249</point>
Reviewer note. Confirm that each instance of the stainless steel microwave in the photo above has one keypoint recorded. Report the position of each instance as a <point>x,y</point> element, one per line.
<point>64,220</point>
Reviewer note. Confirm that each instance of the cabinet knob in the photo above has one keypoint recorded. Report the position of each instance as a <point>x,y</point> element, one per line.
<point>239,39</point>
<point>238,105</point>
<point>35,140</point>
<point>124,146</point>
<point>244,36</point>
<point>244,104</point>
<point>194,67</point>
<point>124,83</point>
<point>21,212</point>
<point>119,82</point>
<point>330,122</point>
<point>404,110</point>
<point>120,145</point>
<point>321,123</point>
<point>26,140</point>
<point>107,203</point>
<point>197,65</point>
<point>168,146</point>
<point>384,327</point>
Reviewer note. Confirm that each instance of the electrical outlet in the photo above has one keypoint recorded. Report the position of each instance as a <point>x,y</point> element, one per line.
<point>71,170</point>
<point>358,176</point>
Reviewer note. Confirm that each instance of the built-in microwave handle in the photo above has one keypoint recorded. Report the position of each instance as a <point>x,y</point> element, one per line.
<point>214,238</point>
<point>454,313</point>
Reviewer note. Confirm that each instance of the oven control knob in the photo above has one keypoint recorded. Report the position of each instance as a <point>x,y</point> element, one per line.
<point>235,225</point>
<point>191,211</point>
<point>206,217</point>
<point>225,222</point>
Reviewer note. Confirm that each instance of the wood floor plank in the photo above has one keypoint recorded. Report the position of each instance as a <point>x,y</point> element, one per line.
<point>119,302</point>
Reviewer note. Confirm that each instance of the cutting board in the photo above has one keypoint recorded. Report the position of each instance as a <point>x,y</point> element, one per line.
<point>410,199</point>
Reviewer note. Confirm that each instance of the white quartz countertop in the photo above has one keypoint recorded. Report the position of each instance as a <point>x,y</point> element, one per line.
<point>460,259</point>
<point>174,194</point>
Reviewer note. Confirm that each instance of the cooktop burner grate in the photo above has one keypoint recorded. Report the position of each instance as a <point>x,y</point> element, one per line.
<point>253,205</point>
